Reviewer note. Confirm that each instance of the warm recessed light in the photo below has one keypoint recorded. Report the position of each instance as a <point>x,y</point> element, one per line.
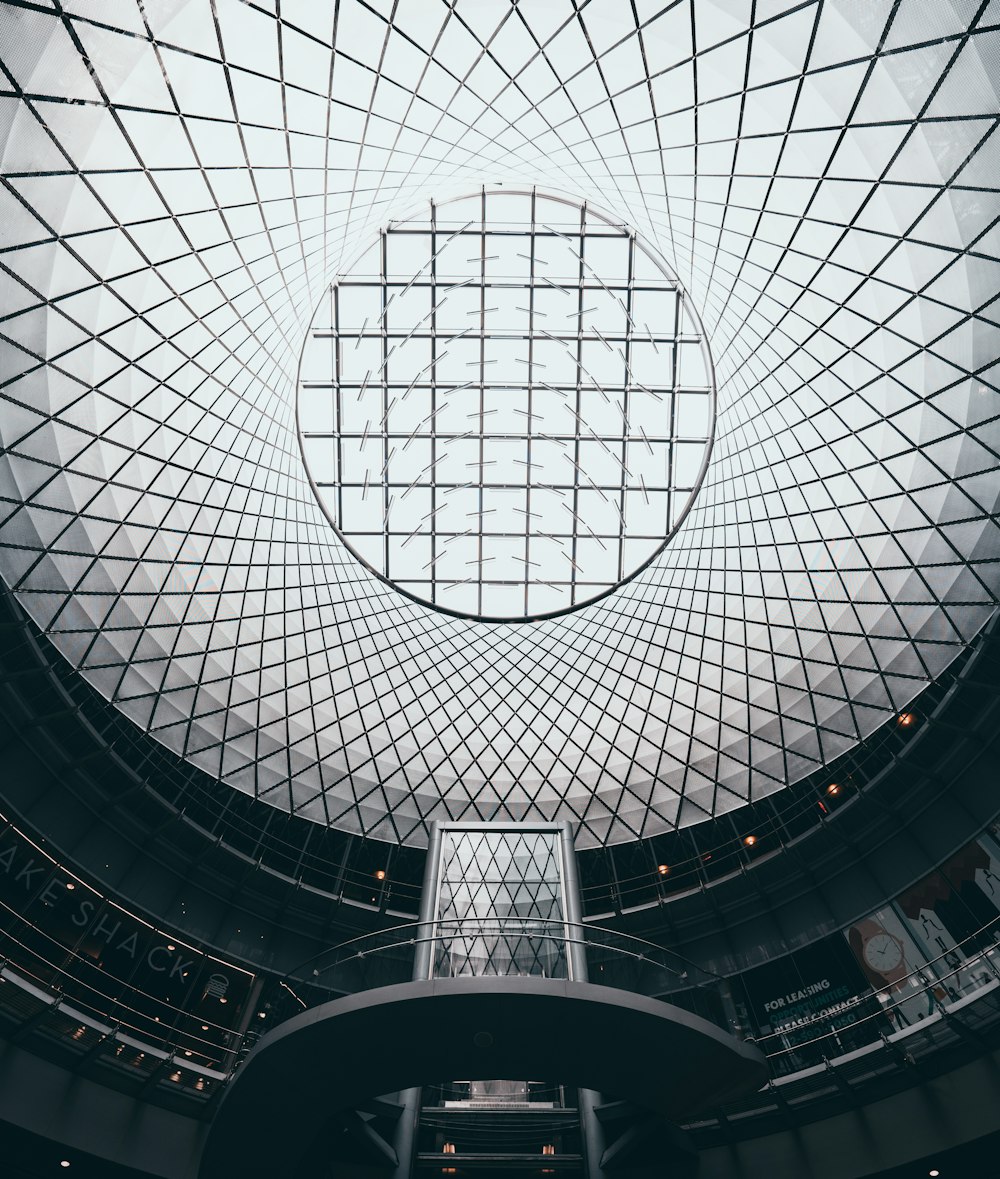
<point>64,1163</point>
<point>833,788</point>
<point>933,1173</point>
<point>380,874</point>
<point>70,885</point>
<point>663,869</point>
<point>750,840</point>
<point>905,719</point>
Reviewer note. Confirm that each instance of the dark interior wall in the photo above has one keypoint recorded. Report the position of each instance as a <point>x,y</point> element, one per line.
<point>49,1114</point>
<point>26,1155</point>
<point>83,1116</point>
<point>925,1121</point>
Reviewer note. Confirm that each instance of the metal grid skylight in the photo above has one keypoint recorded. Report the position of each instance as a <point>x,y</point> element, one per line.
<point>182,181</point>
<point>506,405</point>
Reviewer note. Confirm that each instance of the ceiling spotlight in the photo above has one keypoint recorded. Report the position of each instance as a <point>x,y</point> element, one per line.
<point>380,874</point>
<point>663,869</point>
<point>933,1173</point>
<point>833,788</point>
<point>905,719</point>
<point>65,1163</point>
<point>70,885</point>
<point>750,840</point>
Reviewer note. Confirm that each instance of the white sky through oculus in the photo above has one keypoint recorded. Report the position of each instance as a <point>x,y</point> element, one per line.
<point>506,405</point>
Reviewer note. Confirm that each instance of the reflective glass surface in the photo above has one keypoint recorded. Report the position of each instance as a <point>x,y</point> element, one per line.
<point>499,905</point>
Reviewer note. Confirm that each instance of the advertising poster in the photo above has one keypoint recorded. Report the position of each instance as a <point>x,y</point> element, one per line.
<point>807,1002</point>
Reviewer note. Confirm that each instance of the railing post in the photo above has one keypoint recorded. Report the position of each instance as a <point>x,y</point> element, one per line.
<point>232,1055</point>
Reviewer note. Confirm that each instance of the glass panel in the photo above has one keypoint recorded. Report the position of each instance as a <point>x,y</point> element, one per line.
<point>501,893</point>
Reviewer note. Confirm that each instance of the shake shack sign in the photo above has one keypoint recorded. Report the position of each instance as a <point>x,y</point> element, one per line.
<point>107,929</point>
<point>56,926</point>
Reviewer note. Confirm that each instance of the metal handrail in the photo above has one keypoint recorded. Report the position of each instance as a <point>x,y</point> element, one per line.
<point>453,928</point>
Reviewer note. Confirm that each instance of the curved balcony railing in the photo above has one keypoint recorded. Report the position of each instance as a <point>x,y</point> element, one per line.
<point>504,946</point>
<point>518,946</point>
<point>66,998</point>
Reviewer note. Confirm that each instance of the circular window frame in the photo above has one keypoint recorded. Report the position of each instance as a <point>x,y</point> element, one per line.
<point>590,209</point>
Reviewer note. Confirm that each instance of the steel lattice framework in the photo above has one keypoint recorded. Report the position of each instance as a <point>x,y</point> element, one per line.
<point>504,434</point>
<point>182,181</point>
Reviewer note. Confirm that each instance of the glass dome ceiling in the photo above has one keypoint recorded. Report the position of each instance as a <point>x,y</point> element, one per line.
<point>182,182</point>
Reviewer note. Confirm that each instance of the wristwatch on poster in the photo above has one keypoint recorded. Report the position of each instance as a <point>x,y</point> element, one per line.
<point>879,951</point>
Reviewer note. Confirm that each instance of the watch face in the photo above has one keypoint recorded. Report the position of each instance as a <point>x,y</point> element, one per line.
<point>883,952</point>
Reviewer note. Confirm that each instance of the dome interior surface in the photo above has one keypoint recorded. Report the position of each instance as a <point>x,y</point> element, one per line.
<point>182,181</point>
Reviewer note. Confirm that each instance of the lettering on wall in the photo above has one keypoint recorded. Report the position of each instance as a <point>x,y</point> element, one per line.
<point>35,894</point>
